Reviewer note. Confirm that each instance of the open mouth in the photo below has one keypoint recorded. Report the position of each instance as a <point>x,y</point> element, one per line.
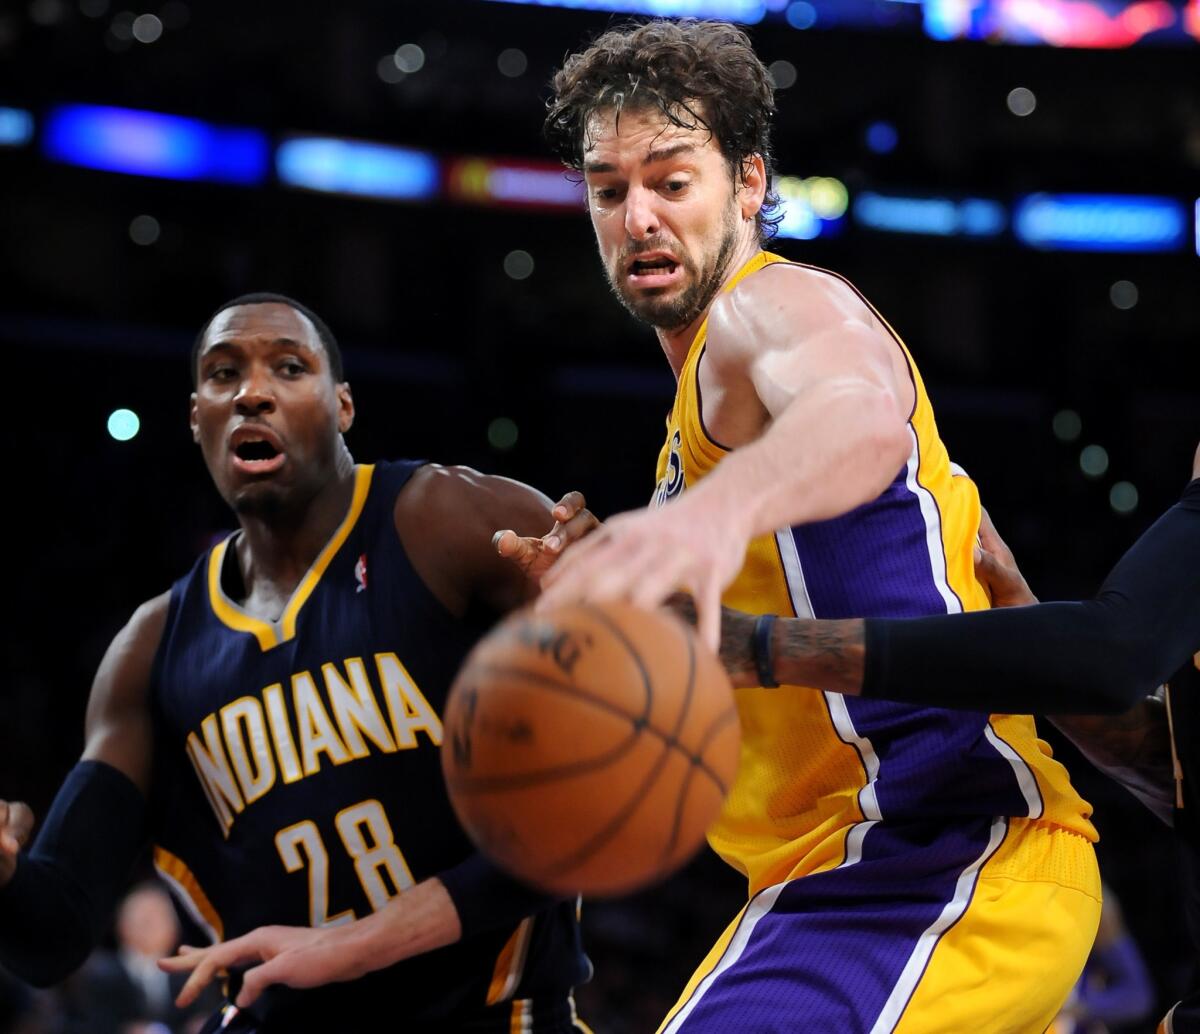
<point>643,267</point>
<point>257,456</point>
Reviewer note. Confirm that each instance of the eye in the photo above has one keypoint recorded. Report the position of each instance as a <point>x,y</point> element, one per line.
<point>221,374</point>
<point>676,186</point>
<point>293,367</point>
<point>604,193</point>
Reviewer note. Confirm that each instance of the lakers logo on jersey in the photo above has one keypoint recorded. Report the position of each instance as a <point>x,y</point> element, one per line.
<point>672,482</point>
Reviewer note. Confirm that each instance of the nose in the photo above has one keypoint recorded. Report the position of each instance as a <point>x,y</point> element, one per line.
<point>641,218</point>
<point>255,394</point>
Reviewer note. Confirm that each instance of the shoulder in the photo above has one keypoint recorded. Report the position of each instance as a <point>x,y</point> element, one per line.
<point>457,492</point>
<point>770,307</point>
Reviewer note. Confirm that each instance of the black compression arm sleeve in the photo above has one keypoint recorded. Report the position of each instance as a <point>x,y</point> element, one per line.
<point>487,898</point>
<point>57,905</point>
<point>1096,657</point>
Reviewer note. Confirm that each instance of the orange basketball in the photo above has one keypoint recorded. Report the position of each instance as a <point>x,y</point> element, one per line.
<point>587,750</point>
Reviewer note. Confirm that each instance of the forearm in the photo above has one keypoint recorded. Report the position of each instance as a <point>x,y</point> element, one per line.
<point>821,457</point>
<point>1132,748</point>
<point>57,904</point>
<point>421,919</point>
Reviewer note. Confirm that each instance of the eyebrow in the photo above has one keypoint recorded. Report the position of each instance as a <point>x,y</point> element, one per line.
<point>227,345</point>
<point>661,155</point>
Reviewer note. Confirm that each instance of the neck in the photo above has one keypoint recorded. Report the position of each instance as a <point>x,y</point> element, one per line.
<point>277,551</point>
<point>677,341</point>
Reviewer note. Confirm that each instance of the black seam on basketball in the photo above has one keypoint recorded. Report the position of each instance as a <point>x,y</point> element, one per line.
<point>523,780</point>
<point>617,631</point>
<point>606,833</point>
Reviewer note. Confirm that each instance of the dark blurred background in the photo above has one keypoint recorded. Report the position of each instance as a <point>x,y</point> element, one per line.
<point>1013,184</point>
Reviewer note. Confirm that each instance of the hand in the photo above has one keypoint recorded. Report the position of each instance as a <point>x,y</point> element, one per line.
<point>293,955</point>
<point>573,520</point>
<point>16,825</point>
<point>645,556</point>
<point>997,570</point>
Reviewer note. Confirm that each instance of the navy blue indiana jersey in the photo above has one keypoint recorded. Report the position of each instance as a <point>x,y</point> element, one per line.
<point>298,779</point>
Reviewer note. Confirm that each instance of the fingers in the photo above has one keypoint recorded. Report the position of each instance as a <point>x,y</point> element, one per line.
<point>514,547</point>
<point>568,506</point>
<point>708,608</point>
<point>16,826</point>
<point>255,981</point>
<point>205,969</point>
<point>989,537</point>
<point>571,530</point>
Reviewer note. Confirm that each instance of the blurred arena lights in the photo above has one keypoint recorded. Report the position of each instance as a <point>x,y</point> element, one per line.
<point>518,265</point>
<point>783,73</point>
<point>1094,24</point>
<point>144,230</point>
<point>335,165</point>
<point>747,11</point>
<point>1021,101</point>
<point>881,137</point>
<point>513,184</point>
<point>502,433</point>
<point>1123,497</point>
<point>1197,226</point>
<point>930,216</point>
<point>1100,222</point>
<point>16,127</point>
<point>147,143</point>
<point>1093,461</point>
<point>123,424</point>
<point>1123,294</point>
<point>512,62</point>
<point>1068,425</point>
<point>812,207</point>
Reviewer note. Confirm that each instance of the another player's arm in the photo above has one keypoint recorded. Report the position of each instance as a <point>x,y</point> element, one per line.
<point>1133,748</point>
<point>450,520</point>
<point>56,899</point>
<point>814,396</point>
<point>1101,656</point>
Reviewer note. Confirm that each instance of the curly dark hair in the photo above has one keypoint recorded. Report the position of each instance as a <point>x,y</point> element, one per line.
<point>699,74</point>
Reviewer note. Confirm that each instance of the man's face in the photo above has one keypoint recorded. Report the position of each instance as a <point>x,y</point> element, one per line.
<point>665,210</point>
<point>266,413</point>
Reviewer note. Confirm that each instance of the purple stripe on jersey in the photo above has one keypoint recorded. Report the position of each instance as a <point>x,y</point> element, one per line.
<point>830,952</point>
<point>871,562</point>
<point>875,562</point>
<point>933,763</point>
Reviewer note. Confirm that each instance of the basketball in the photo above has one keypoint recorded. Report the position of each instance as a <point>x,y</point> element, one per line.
<point>587,750</point>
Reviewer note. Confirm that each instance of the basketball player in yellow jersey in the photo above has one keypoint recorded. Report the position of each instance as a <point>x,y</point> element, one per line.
<point>910,869</point>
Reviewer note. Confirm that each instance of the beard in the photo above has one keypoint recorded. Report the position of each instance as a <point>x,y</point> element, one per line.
<point>670,313</point>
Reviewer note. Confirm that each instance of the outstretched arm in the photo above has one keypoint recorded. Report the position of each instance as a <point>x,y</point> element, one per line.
<point>813,395</point>
<point>55,901</point>
<point>1101,656</point>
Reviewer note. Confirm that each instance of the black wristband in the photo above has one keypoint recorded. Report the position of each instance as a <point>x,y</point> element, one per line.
<point>764,663</point>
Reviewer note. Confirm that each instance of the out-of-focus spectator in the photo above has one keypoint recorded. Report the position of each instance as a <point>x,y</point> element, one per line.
<point>124,991</point>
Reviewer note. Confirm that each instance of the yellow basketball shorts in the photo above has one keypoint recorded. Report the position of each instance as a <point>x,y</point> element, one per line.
<point>980,927</point>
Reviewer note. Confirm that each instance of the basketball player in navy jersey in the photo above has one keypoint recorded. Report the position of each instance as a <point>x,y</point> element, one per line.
<point>271,724</point>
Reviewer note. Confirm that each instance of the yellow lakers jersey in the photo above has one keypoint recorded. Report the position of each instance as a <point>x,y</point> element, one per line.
<point>819,770</point>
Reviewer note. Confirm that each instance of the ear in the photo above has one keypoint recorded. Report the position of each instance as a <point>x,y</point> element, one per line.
<point>193,422</point>
<point>345,407</point>
<point>752,187</point>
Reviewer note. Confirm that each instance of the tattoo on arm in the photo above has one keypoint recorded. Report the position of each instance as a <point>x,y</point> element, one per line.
<point>827,655</point>
<point>1133,748</point>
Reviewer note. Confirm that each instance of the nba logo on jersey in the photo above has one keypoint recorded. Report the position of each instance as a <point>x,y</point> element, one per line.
<point>672,481</point>
<point>360,572</point>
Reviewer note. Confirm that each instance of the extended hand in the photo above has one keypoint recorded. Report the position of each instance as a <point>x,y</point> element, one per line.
<point>997,570</point>
<point>293,955</point>
<point>535,556</point>
<point>644,556</point>
<point>16,825</point>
